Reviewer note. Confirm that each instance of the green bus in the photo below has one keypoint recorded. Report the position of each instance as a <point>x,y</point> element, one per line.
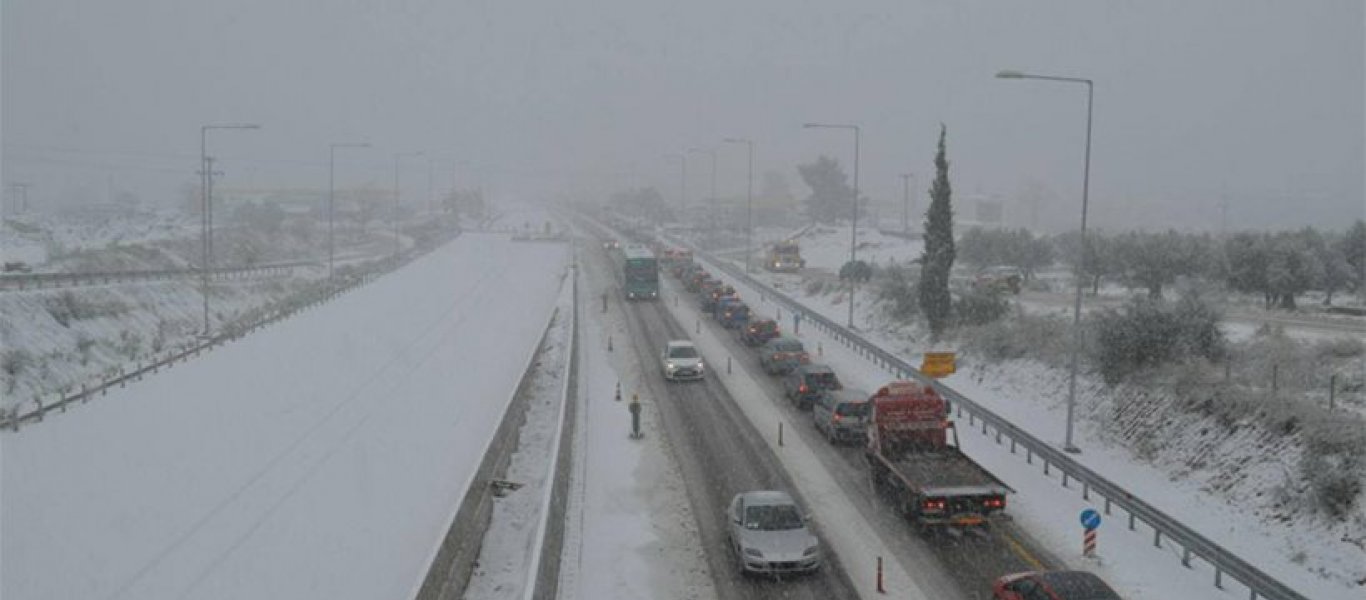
<point>640,273</point>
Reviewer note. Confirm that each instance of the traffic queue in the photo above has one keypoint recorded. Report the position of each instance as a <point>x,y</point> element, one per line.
<point>846,416</point>
<point>838,413</point>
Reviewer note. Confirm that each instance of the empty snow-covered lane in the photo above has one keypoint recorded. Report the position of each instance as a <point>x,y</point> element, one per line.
<point>320,457</point>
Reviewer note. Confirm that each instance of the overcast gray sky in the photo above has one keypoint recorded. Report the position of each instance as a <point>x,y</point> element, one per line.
<point>1256,101</point>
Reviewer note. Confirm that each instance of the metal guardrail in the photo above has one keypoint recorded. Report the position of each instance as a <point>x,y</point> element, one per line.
<point>57,280</point>
<point>14,418</point>
<point>1195,545</point>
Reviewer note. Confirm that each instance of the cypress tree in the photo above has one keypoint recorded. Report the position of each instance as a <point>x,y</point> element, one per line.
<point>939,252</point>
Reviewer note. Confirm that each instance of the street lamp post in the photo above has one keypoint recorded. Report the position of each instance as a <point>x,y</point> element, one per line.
<point>206,207</point>
<point>1068,445</point>
<point>398,157</point>
<point>853,229</point>
<point>682,179</point>
<point>749,202</point>
<point>906,203</point>
<point>711,217</point>
<point>331,204</point>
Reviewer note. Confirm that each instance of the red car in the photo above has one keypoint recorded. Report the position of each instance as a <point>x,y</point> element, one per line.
<point>1052,585</point>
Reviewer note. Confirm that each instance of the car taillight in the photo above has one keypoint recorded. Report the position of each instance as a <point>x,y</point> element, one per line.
<point>838,417</point>
<point>802,389</point>
<point>995,502</point>
<point>933,505</point>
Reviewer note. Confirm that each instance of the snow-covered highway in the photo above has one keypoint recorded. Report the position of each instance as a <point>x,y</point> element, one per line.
<point>320,457</point>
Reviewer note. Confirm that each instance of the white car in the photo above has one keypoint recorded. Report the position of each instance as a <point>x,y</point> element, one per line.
<point>680,360</point>
<point>769,534</point>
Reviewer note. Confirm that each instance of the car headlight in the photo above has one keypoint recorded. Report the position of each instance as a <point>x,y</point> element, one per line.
<point>670,365</point>
<point>754,552</point>
<point>701,366</point>
<point>811,551</point>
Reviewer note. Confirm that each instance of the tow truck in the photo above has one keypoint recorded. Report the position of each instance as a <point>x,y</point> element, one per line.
<point>912,463</point>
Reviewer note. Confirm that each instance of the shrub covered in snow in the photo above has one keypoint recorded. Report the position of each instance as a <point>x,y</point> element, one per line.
<point>897,292</point>
<point>979,307</point>
<point>1147,332</point>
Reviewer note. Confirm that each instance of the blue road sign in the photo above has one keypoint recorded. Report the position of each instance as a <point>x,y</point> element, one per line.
<point>1090,519</point>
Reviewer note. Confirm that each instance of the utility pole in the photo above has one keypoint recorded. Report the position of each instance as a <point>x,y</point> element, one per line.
<point>398,157</point>
<point>21,199</point>
<point>206,206</point>
<point>712,220</point>
<point>331,201</point>
<point>749,202</point>
<point>906,203</point>
<point>853,221</point>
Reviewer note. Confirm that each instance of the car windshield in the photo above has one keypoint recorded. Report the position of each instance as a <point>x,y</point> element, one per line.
<point>773,517</point>
<point>682,352</point>
<point>851,409</point>
<point>788,346</point>
<point>824,380</point>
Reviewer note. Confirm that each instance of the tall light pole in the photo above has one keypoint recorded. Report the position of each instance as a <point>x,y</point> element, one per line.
<point>712,217</point>
<point>21,201</point>
<point>206,207</point>
<point>682,184</point>
<point>1085,191</point>
<point>906,203</point>
<point>853,229</point>
<point>331,203</point>
<point>398,158</point>
<point>749,200</point>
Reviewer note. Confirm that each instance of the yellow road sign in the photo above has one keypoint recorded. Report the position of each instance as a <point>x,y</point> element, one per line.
<point>938,364</point>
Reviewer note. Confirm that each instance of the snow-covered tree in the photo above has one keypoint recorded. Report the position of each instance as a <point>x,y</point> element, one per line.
<point>937,260</point>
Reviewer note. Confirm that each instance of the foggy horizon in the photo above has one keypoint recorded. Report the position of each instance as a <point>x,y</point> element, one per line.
<point>1260,105</point>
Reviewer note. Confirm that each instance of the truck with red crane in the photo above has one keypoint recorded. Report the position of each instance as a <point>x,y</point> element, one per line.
<point>912,462</point>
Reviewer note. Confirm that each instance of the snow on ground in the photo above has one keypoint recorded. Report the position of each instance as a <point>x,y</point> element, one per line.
<point>510,543</point>
<point>1031,401</point>
<point>320,457</point>
<point>630,532</point>
<point>71,337</point>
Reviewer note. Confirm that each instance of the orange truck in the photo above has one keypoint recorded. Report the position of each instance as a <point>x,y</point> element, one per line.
<point>912,462</point>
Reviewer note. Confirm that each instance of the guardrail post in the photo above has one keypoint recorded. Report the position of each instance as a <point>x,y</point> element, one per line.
<point>1045,466</point>
<point>998,436</point>
<point>1064,478</point>
<point>1107,506</point>
<point>1085,491</point>
<point>1029,455</point>
<point>1131,520</point>
<point>1012,445</point>
<point>1186,557</point>
<point>1218,578</point>
<point>1157,537</point>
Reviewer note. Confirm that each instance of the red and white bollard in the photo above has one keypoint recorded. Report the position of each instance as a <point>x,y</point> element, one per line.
<point>1088,543</point>
<point>880,588</point>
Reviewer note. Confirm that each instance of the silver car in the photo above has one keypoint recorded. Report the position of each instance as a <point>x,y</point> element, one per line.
<point>680,360</point>
<point>769,534</point>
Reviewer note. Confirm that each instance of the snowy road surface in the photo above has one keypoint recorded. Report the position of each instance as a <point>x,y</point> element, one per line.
<point>719,453</point>
<point>318,458</point>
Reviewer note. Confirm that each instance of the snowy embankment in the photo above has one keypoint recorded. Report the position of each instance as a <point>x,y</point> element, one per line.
<point>53,341</point>
<point>317,458</point>
<point>513,542</point>
<point>1204,481</point>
